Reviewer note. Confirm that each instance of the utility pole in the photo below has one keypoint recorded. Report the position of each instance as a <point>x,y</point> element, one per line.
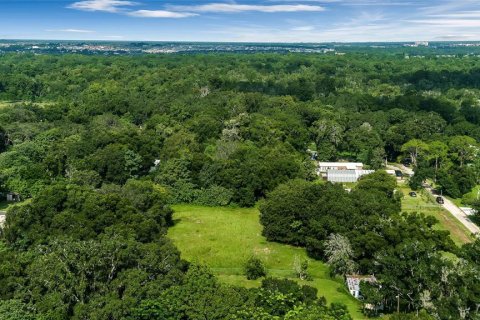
<point>398,303</point>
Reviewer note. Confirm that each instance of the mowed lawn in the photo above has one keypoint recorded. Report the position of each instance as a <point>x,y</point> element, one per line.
<point>224,238</point>
<point>424,203</point>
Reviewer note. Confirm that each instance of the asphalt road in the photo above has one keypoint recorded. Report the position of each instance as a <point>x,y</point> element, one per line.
<point>460,215</point>
<point>448,205</point>
<point>456,212</point>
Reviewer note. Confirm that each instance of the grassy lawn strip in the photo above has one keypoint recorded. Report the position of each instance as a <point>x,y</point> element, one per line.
<point>423,203</point>
<point>223,239</point>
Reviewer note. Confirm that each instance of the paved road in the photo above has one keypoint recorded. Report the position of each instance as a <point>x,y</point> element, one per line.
<point>457,213</point>
<point>461,216</point>
<point>448,205</point>
<point>402,168</point>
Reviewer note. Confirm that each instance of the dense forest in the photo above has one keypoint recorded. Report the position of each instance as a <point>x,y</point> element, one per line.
<point>100,147</point>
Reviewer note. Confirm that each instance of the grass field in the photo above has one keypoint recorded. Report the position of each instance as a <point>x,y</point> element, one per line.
<point>223,239</point>
<point>423,203</point>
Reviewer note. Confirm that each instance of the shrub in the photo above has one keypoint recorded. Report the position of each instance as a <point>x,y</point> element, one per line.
<point>214,196</point>
<point>254,268</point>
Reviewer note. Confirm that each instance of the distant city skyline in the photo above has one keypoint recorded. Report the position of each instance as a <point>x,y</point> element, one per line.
<point>242,20</point>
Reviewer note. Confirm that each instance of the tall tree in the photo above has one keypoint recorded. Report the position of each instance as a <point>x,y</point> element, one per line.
<point>463,148</point>
<point>415,148</point>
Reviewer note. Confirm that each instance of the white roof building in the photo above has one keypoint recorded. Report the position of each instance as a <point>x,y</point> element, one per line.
<point>343,176</point>
<point>325,166</point>
<point>468,211</point>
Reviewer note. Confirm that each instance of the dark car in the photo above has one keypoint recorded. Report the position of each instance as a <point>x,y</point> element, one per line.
<point>412,194</point>
<point>407,162</point>
<point>399,174</point>
<point>440,200</point>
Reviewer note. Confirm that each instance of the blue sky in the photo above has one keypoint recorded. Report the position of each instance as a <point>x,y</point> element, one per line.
<point>241,20</point>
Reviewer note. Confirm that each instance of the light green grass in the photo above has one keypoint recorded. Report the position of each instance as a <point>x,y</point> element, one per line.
<point>424,203</point>
<point>469,198</point>
<point>5,205</point>
<point>5,104</point>
<point>223,239</point>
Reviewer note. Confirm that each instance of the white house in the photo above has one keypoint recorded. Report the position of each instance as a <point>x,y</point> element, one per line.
<point>353,283</point>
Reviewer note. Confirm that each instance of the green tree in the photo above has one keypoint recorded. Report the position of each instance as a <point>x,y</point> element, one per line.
<point>16,310</point>
<point>463,149</point>
<point>254,268</point>
<point>339,254</point>
<point>437,151</point>
<point>415,148</point>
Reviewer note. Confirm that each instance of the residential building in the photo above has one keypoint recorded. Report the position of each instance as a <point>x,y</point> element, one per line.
<point>13,197</point>
<point>353,283</point>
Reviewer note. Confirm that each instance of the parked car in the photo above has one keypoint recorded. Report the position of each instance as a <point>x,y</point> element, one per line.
<point>407,162</point>
<point>413,194</point>
<point>440,200</point>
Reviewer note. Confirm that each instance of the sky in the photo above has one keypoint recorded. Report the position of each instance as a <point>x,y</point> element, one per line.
<point>242,20</point>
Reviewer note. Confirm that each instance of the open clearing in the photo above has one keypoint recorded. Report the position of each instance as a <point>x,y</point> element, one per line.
<point>424,203</point>
<point>223,239</point>
<point>5,104</point>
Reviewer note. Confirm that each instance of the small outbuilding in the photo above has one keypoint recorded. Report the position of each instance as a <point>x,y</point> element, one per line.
<point>13,197</point>
<point>468,211</point>
<point>353,283</point>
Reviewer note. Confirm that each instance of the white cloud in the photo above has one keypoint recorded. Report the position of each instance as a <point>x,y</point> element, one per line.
<point>160,14</point>
<point>101,5</point>
<point>303,28</point>
<point>234,7</point>
<point>454,23</point>
<point>70,30</point>
<point>354,2</point>
<point>459,15</point>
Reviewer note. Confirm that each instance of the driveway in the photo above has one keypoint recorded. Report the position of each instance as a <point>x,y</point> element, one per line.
<point>402,168</point>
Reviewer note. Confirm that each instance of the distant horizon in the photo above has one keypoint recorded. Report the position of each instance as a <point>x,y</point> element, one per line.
<point>242,21</point>
<point>244,42</point>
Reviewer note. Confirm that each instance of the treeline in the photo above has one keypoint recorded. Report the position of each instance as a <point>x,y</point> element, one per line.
<point>418,268</point>
<point>451,162</point>
<point>223,129</point>
<point>103,146</point>
<point>75,253</point>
